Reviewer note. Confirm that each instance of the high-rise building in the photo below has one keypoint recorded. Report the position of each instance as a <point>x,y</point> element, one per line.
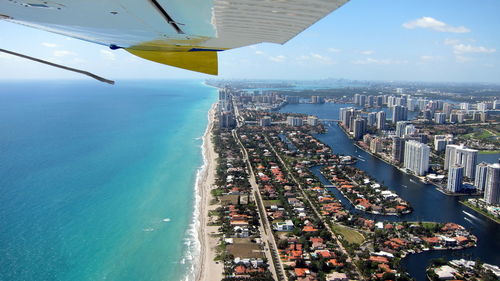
<point>427,114</point>
<point>370,101</point>
<point>496,104</point>
<point>465,106</point>
<point>453,118</point>
<point>346,115</point>
<point>439,118</point>
<point>455,175</point>
<point>459,155</point>
<point>359,128</point>
<point>265,121</point>
<point>409,130</point>
<point>371,120</point>
<point>482,106</point>
<point>492,189</point>
<point>483,116</point>
<point>447,108</point>
<point>317,99</point>
<point>468,159</point>
<point>356,99</point>
<point>460,117</point>
<point>312,121</point>
<point>398,149</point>
<point>376,145</point>
<point>381,120</point>
<point>379,101</point>
<point>450,155</point>
<point>227,120</point>
<point>362,100</point>
<point>292,99</point>
<point>294,121</point>
<point>400,128</point>
<point>441,141</point>
<point>399,113</point>
<point>480,178</point>
<point>416,157</point>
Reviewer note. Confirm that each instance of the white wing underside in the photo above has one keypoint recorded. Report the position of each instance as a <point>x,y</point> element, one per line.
<point>217,24</point>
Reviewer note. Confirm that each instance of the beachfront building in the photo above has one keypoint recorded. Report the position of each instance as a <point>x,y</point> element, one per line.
<point>492,189</point>
<point>416,157</point>
<point>455,174</point>
<point>227,120</point>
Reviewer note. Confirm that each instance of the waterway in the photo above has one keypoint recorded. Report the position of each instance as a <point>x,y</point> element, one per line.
<point>428,203</point>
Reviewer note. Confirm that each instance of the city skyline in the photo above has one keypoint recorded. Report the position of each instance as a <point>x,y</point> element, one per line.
<point>417,41</point>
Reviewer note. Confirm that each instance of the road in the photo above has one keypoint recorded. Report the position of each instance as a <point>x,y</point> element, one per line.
<point>266,231</point>
<point>313,206</point>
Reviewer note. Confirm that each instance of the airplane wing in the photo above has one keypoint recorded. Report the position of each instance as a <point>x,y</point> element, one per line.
<point>181,33</point>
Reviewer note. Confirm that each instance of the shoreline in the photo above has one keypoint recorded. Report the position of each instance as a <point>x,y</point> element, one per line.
<point>206,268</point>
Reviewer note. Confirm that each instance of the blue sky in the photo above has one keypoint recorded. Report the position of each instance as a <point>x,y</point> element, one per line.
<point>420,40</point>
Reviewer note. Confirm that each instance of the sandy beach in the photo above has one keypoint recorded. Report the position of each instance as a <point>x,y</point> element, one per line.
<point>208,269</point>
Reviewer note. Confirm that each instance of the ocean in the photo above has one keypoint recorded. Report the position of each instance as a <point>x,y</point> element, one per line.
<point>97,182</point>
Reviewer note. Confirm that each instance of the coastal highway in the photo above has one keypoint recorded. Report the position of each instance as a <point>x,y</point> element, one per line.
<point>266,232</point>
<point>349,259</point>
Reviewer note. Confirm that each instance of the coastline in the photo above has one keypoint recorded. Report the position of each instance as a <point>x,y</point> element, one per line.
<point>206,267</point>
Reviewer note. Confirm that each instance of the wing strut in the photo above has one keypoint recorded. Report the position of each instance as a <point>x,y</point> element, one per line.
<point>60,66</point>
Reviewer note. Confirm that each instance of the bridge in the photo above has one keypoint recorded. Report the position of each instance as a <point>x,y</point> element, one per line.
<point>329,120</point>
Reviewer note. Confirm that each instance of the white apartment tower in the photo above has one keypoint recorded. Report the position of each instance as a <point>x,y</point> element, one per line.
<point>416,157</point>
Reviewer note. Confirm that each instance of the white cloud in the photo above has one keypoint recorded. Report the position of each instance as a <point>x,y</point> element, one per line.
<point>279,58</point>
<point>63,53</point>
<point>462,59</point>
<point>107,54</point>
<point>462,49</point>
<point>367,52</point>
<point>334,50</point>
<point>379,61</point>
<point>426,58</point>
<point>452,42</point>
<point>259,52</point>
<point>49,45</point>
<point>434,24</point>
<point>322,59</point>
<point>315,58</point>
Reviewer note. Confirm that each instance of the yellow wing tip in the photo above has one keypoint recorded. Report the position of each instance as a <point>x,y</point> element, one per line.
<point>200,61</point>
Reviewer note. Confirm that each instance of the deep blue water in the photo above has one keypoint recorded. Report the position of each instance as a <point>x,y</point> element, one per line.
<point>428,203</point>
<point>97,181</point>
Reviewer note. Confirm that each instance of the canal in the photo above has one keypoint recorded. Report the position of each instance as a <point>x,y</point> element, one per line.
<point>428,203</point>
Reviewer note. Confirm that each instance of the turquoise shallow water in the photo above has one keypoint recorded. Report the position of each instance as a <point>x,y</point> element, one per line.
<point>97,181</point>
